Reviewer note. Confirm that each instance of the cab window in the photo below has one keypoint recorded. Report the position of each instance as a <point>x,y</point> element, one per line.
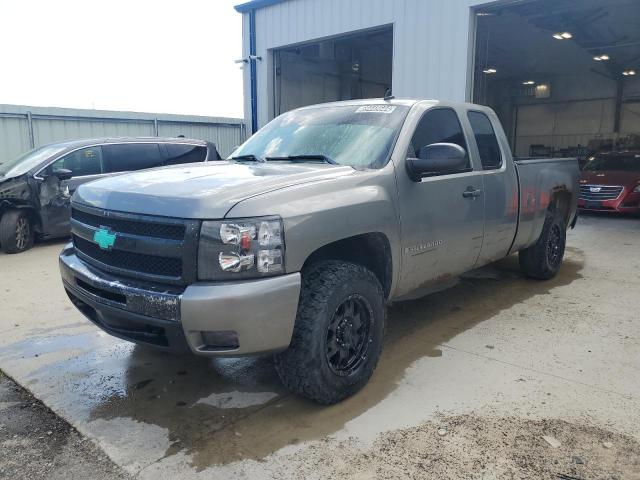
<point>439,125</point>
<point>486,140</point>
<point>84,162</point>
<point>128,157</point>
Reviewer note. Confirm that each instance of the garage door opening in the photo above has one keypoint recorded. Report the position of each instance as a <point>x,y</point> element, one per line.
<point>341,68</point>
<point>563,76</point>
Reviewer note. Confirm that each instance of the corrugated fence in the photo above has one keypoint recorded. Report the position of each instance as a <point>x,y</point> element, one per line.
<point>23,128</point>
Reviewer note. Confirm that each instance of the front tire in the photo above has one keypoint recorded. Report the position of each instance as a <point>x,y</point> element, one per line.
<point>543,259</point>
<point>16,231</point>
<point>337,338</point>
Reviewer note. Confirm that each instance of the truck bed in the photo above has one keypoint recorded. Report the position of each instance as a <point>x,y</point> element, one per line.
<point>538,180</point>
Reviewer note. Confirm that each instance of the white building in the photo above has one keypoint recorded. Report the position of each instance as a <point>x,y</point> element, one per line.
<point>559,73</point>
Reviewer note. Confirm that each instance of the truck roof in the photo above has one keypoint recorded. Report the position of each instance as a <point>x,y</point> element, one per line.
<point>406,101</point>
<point>100,140</point>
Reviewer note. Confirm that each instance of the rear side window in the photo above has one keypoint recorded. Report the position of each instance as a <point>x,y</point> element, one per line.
<point>181,153</point>
<point>83,162</point>
<point>440,125</point>
<point>486,140</point>
<point>126,157</point>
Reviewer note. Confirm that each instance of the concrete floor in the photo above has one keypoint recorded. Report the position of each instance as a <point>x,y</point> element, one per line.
<point>495,345</point>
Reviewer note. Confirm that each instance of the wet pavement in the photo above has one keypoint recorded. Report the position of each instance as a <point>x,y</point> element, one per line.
<point>493,343</point>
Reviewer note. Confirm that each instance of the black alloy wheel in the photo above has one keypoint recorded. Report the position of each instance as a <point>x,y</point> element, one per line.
<point>349,335</point>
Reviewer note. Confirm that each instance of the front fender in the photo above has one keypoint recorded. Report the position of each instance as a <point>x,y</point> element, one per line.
<point>17,193</point>
<point>324,212</point>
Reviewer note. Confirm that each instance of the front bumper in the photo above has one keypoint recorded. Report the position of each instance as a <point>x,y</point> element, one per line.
<point>209,319</point>
<point>627,202</point>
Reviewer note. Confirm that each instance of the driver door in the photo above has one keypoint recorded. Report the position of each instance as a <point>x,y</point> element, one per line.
<point>442,216</point>
<point>85,165</point>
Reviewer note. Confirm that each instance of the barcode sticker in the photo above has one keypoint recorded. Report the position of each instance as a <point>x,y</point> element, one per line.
<point>376,109</point>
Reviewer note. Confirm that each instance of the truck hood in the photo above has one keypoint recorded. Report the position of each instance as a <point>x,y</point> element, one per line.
<point>609,177</point>
<point>199,191</point>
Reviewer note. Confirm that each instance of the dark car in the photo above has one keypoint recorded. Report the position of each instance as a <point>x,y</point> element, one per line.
<point>611,182</point>
<point>36,187</point>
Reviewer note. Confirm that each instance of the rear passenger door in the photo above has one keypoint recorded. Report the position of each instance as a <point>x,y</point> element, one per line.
<point>500,185</point>
<point>129,157</point>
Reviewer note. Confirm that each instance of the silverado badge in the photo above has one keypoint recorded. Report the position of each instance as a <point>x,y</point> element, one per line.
<point>104,238</point>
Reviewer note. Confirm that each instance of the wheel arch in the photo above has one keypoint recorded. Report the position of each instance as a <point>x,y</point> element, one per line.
<point>35,217</point>
<point>371,250</point>
<point>561,200</point>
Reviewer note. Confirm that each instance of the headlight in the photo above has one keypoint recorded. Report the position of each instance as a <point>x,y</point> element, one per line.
<point>637,189</point>
<point>241,248</point>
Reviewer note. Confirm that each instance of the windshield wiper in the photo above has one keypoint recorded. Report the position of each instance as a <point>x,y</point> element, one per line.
<point>302,158</point>
<point>251,158</point>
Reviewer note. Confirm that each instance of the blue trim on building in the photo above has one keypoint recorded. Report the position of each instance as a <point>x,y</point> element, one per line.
<point>255,4</point>
<point>253,71</point>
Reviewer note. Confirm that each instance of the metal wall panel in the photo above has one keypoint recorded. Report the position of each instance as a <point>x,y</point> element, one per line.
<point>572,123</point>
<point>57,124</point>
<point>431,41</point>
<point>226,137</point>
<point>14,136</point>
<point>52,130</point>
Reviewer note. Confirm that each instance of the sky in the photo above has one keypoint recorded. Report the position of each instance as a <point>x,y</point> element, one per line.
<point>155,56</point>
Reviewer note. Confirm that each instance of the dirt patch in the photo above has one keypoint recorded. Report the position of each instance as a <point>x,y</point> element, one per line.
<point>473,447</point>
<point>36,444</point>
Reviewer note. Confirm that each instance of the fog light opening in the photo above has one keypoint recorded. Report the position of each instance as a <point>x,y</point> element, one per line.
<point>220,340</point>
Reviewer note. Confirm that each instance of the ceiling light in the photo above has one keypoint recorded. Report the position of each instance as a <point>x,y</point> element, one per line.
<point>562,36</point>
<point>490,70</point>
<point>628,73</point>
<point>529,82</point>
<point>543,91</point>
<point>601,58</point>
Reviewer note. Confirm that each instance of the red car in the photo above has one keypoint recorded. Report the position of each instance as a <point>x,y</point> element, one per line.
<point>611,182</point>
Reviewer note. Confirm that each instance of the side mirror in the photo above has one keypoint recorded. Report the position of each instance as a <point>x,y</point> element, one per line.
<point>62,174</point>
<point>438,159</point>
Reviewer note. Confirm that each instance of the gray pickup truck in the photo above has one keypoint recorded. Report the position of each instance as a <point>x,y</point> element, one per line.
<point>297,242</point>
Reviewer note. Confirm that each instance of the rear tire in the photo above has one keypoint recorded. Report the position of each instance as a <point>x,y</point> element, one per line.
<point>16,231</point>
<point>337,338</point>
<point>543,260</point>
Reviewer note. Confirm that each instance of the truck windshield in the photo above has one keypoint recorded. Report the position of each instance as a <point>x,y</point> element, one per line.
<point>360,136</point>
<point>623,162</point>
<point>27,161</point>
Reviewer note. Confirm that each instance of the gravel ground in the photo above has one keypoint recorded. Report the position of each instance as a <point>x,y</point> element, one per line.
<point>472,447</point>
<point>36,444</point>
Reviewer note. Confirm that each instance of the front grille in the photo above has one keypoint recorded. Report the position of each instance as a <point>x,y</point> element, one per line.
<point>601,192</point>
<point>145,247</point>
<point>155,230</point>
<point>137,262</point>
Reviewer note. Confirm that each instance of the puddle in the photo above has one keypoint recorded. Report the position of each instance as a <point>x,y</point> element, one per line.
<point>217,411</point>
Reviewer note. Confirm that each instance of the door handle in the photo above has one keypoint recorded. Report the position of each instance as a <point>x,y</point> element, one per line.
<point>472,192</point>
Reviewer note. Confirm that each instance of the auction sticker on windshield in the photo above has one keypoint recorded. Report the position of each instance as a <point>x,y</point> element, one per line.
<point>376,109</point>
